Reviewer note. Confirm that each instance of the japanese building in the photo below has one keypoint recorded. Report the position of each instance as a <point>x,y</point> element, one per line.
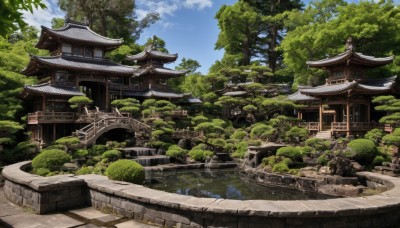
<point>343,105</point>
<point>77,66</point>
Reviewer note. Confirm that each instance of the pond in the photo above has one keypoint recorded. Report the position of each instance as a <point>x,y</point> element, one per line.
<point>223,183</point>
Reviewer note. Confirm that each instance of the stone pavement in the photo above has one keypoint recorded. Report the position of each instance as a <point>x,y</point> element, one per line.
<point>12,215</point>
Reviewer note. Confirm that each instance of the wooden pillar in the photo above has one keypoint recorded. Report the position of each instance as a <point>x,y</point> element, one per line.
<point>54,132</point>
<point>107,96</point>
<point>320,116</point>
<point>348,117</point>
<point>44,103</point>
<point>368,113</point>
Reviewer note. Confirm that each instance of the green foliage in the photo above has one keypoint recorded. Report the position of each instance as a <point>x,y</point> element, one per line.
<point>239,134</point>
<point>97,149</point>
<point>299,133</point>
<point>322,160</point>
<point>262,131</point>
<point>199,119</point>
<point>176,152</point>
<point>241,149</point>
<point>70,142</point>
<point>318,144</point>
<point>289,152</point>
<point>254,142</point>
<point>77,101</point>
<point>364,150</point>
<point>42,172</point>
<point>80,153</point>
<point>84,170</point>
<point>391,139</point>
<point>250,108</point>
<point>305,150</point>
<point>378,160</point>
<point>126,170</point>
<point>52,160</point>
<point>7,131</point>
<point>130,105</point>
<point>280,168</point>
<point>111,154</point>
<point>375,135</point>
<point>11,16</point>
<point>199,153</point>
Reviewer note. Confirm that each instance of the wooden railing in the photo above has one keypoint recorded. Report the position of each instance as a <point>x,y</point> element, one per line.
<point>179,113</point>
<point>50,117</point>
<point>160,87</point>
<point>117,86</point>
<point>185,134</point>
<point>311,126</point>
<point>354,126</point>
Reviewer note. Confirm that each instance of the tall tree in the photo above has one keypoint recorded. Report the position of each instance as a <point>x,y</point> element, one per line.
<point>323,27</point>
<point>239,25</point>
<point>112,18</point>
<point>11,16</point>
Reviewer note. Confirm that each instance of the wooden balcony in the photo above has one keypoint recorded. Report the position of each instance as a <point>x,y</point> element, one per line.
<point>354,126</point>
<point>186,134</point>
<point>51,117</point>
<point>311,126</point>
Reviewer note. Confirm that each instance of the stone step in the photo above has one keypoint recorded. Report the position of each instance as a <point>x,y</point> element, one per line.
<point>323,135</point>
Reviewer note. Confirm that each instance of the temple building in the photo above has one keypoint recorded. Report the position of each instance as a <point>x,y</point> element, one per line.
<point>77,66</point>
<point>343,105</point>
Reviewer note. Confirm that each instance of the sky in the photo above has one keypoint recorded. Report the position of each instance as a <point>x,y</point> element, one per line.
<point>187,26</point>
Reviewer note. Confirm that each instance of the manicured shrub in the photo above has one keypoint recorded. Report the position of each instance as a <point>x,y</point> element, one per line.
<point>84,170</point>
<point>391,139</point>
<point>297,133</point>
<point>111,154</point>
<point>306,150</point>
<point>42,172</point>
<point>322,160</point>
<point>80,153</point>
<point>68,141</point>
<point>273,160</point>
<point>254,142</point>
<point>280,168</point>
<point>289,152</point>
<point>176,152</point>
<point>374,135</point>
<point>263,131</point>
<point>318,144</point>
<point>126,170</point>
<point>378,160</point>
<point>52,160</point>
<point>97,150</point>
<point>199,154</point>
<point>363,150</point>
<point>241,149</point>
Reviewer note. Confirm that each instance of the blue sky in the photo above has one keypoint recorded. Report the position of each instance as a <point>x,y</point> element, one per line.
<point>187,26</point>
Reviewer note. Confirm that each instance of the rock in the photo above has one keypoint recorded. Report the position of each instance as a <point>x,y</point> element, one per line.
<point>70,167</point>
<point>324,170</point>
<point>357,167</point>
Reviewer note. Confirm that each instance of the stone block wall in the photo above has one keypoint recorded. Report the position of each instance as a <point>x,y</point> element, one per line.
<point>46,194</point>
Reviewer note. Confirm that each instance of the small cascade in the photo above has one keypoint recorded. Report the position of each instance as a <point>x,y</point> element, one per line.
<point>146,156</point>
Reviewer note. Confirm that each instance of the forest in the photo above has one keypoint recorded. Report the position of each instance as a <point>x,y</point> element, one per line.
<point>265,42</point>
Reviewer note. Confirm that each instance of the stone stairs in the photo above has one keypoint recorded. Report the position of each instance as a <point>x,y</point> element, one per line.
<point>324,135</point>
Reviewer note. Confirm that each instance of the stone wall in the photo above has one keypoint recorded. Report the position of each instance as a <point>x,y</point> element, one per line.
<point>173,210</point>
<point>43,194</point>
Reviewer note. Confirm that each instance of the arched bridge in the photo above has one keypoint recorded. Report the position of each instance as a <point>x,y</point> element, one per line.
<point>90,133</point>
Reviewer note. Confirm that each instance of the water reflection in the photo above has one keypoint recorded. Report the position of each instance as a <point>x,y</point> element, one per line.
<point>227,184</point>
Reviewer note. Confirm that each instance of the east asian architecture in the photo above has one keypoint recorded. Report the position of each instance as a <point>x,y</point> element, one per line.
<point>77,66</point>
<point>342,106</point>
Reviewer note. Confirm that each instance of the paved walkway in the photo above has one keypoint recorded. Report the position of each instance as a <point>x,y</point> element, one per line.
<point>12,215</point>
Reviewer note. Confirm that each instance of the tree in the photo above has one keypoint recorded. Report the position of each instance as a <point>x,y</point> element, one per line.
<point>323,27</point>
<point>11,17</point>
<point>130,105</point>
<point>391,106</point>
<point>190,65</point>
<point>156,44</point>
<point>111,18</point>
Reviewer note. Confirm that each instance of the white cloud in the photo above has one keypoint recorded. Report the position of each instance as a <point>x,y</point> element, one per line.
<point>199,4</point>
<point>43,16</point>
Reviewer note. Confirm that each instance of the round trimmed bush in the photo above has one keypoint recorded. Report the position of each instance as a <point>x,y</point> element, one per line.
<point>280,168</point>
<point>42,172</point>
<point>126,170</point>
<point>111,154</point>
<point>289,152</point>
<point>176,152</point>
<point>318,144</point>
<point>378,160</point>
<point>50,159</point>
<point>199,154</point>
<point>364,150</point>
<point>84,170</point>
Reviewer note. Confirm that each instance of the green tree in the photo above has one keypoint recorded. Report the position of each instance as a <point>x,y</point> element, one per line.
<point>190,65</point>
<point>11,16</point>
<point>322,28</point>
<point>156,43</point>
<point>111,18</point>
<point>391,106</point>
<point>130,105</point>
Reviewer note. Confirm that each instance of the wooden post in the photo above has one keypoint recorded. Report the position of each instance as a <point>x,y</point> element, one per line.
<point>44,103</point>
<point>348,117</point>
<point>320,116</point>
<point>107,95</point>
<point>54,132</point>
<point>368,113</point>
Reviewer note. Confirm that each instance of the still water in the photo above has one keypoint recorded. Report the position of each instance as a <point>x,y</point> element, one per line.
<point>223,183</point>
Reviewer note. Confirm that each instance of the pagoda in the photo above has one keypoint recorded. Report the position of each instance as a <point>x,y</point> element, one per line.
<point>343,105</point>
<point>150,78</point>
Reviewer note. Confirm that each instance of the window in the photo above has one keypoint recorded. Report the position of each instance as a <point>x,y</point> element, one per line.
<point>77,51</point>
<point>66,49</point>
<point>98,53</point>
<point>64,77</point>
<point>136,81</point>
<point>338,74</point>
<point>162,82</point>
<point>88,52</point>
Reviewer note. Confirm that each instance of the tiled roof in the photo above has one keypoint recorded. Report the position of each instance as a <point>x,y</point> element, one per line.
<point>298,96</point>
<point>151,54</point>
<point>158,70</point>
<point>78,32</point>
<point>329,89</point>
<point>356,58</point>
<point>75,63</point>
<point>153,93</point>
<point>53,90</point>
